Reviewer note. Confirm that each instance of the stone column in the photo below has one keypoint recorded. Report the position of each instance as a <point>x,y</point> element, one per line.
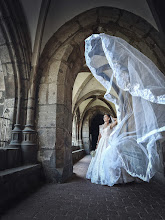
<point>29,145</point>
<point>16,136</point>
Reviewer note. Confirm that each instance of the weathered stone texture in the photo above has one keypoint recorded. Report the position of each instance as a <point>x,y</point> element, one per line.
<point>127,20</point>
<point>9,103</point>
<point>106,15</point>
<point>47,138</point>
<point>9,68</point>
<point>81,35</point>
<point>60,123</point>
<point>9,82</point>
<point>60,138</point>
<point>52,93</point>
<point>46,117</point>
<point>67,31</point>
<point>47,156</point>
<point>61,94</point>
<point>57,68</point>
<point>42,95</point>
<point>4,55</point>
<point>86,19</point>
<point>63,53</point>
<point>141,27</point>
<point>4,69</point>
<point>1,95</point>
<point>121,35</point>
<point>2,83</point>
<point>146,49</point>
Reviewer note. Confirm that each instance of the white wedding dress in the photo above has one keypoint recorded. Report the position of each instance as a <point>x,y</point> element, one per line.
<point>105,171</point>
<point>137,88</point>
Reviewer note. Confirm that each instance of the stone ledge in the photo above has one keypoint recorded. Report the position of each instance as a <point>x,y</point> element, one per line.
<point>15,182</point>
<point>9,158</point>
<point>74,148</point>
<point>77,155</point>
<point>76,151</point>
<point>18,169</point>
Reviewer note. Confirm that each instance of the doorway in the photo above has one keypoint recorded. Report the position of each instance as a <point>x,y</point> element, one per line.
<point>94,130</point>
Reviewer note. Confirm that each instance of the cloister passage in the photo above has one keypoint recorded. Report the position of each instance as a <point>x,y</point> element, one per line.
<point>80,199</point>
<point>68,95</point>
<point>51,107</point>
<point>88,108</point>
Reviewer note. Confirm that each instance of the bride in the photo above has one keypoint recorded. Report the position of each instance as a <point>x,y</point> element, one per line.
<point>96,171</point>
<point>127,148</point>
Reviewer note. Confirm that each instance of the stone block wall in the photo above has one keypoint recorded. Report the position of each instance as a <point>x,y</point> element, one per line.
<point>61,61</point>
<point>15,55</point>
<point>54,123</point>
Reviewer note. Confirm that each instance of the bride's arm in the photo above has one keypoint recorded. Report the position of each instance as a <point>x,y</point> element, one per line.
<point>114,123</point>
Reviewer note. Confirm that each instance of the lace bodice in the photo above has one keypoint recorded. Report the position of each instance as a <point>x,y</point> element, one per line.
<point>105,132</point>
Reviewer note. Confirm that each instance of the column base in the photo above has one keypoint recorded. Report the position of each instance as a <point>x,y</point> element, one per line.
<point>28,145</point>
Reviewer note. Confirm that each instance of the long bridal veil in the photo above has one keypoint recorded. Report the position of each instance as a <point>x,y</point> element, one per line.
<point>137,88</point>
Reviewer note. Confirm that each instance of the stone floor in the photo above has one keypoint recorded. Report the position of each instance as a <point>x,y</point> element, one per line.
<point>79,199</point>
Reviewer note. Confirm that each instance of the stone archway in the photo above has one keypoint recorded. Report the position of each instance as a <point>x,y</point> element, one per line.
<point>14,66</point>
<point>15,53</point>
<point>62,59</point>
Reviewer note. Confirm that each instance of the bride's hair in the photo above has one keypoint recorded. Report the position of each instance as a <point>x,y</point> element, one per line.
<point>108,116</point>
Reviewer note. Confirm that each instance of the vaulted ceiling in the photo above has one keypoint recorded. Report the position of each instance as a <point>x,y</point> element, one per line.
<point>87,93</point>
<point>61,11</point>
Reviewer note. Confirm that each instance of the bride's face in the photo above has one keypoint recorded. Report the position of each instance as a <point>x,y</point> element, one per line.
<point>106,118</point>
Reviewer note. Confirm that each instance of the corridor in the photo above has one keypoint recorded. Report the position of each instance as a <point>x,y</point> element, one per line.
<point>79,199</point>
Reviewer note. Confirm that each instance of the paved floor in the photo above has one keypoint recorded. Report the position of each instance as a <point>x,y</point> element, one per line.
<point>79,199</point>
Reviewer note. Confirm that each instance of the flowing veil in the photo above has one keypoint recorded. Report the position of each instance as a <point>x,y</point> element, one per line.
<point>137,88</point>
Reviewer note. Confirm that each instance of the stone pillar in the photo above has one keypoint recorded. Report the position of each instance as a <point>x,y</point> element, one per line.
<point>29,146</point>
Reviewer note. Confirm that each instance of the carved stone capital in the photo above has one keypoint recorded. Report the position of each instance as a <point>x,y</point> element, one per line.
<point>16,137</point>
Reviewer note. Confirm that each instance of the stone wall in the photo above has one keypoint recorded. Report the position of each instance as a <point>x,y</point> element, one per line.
<point>55,122</point>
<point>15,53</point>
<point>7,93</point>
<point>62,59</point>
